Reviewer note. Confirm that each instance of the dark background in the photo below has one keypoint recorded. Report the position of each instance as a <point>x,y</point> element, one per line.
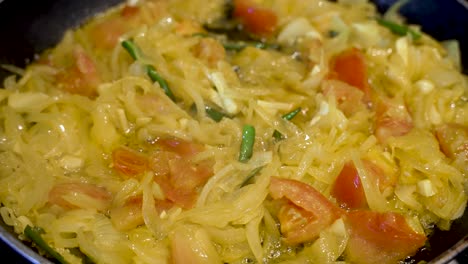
<point>27,27</point>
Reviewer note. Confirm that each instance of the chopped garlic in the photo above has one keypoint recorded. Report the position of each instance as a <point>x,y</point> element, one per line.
<point>299,27</point>
<point>323,111</point>
<point>425,188</point>
<point>71,163</point>
<point>425,86</point>
<point>132,2</point>
<point>367,33</point>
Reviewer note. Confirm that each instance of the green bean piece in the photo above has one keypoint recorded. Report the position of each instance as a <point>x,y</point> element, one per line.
<point>240,45</point>
<point>132,49</point>
<point>248,140</point>
<point>135,52</point>
<point>251,175</point>
<point>288,116</point>
<point>214,114</point>
<point>155,77</point>
<point>291,114</point>
<point>398,29</point>
<point>234,46</point>
<point>277,135</point>
<point>34,233</point>
<point>201,35</point>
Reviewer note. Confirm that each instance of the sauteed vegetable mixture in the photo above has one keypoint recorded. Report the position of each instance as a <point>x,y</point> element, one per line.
<point>244,131</point>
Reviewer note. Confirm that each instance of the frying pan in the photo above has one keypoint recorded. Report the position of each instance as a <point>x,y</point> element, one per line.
<point>27,27</point>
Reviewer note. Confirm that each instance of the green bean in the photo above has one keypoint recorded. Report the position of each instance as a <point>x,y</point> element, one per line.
<point>132,49</point>
<point>288,116</point>
<point>277,135</point>
<point>251,175</point>
<point>34,233</point>
<point>234,46</point>
<point>155,77</point>
<point>248,140</point>
<point>201,35</point>
<point>135,53</point>
<point>398,29</point>
<point>214,114</point>
<point>240,45</point>
<point>291,114</point>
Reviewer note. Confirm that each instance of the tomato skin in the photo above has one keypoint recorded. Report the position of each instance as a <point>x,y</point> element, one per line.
<point>350,67</point>
<point>348,189</point>
<point>255,19</point>
<point>380,237</point>
<point>306,213</point>
<point>129,162</point>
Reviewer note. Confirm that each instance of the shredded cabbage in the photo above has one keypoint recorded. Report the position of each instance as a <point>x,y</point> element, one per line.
<point>94,153</point>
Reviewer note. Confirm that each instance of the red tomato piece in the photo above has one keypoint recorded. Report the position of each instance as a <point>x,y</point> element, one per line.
<point>181,185</point>
<point>129,162</point>
<point>453,140</point>
<point>180,146</point>
<point>348,189</point>
<point>100,195</point>
<point>82,77</point>
<point>380,237</point>
<point>347,97</point>
<point>179,177</point>
<point>129,11</point>
<point>392,120</point>
<point>255,19</point>
<point>306,213</point>
<point>350,67</point>
<point>106,34</point>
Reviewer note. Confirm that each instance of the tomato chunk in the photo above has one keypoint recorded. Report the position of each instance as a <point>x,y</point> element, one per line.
<point>129,11</point>
<point>80,195</point>
<point>176,173</point>
<point>348,189</point>
<point>392,120</point>
<point>181,185</point>
<point>453,140</point>
<point>305,214</point>
<point>348,98</point>
<point>129,162</point>
<point>82,77</point>
<point>180,147</point>
<point>255,19</point>
<point>350,67</point>
<point>380,237</point>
